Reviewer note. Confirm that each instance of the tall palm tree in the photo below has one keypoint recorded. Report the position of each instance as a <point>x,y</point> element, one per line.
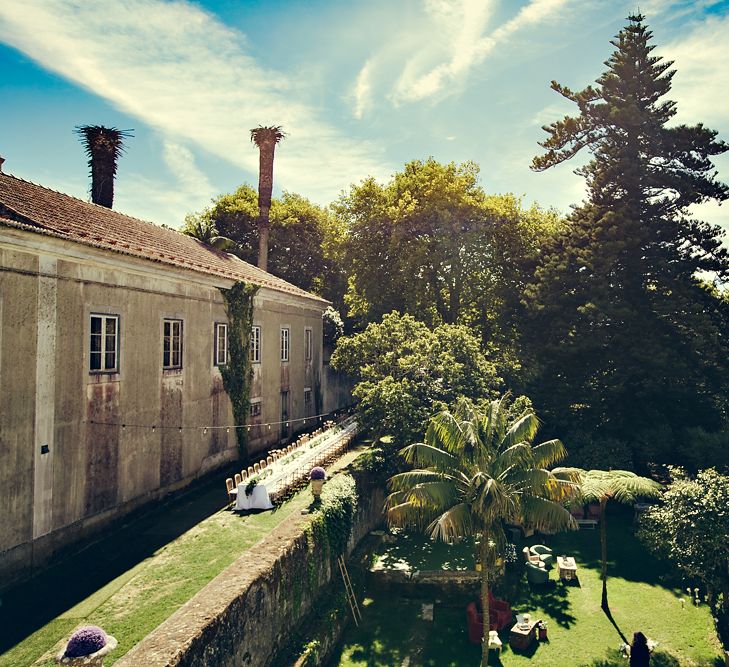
<point>476,470</point>
<point>104,146</point>
<point>599,486</point>
<point>266,138</point>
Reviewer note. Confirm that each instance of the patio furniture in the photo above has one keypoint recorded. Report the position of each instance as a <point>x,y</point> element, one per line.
<point>566,568</point>
<point>230,488</point>
<point>544,554</point>
<point>500,613</point>
<point>475,624</point>
<point>529,557</point>
<point>495,643</point>
<point>523,634</point>
<point>587,523</point>
<point>536,574</point>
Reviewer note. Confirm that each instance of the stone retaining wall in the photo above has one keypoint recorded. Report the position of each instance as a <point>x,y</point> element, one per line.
<point>247,613</point>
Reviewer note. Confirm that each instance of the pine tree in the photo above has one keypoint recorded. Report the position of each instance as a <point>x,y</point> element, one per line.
<point>626,336</point>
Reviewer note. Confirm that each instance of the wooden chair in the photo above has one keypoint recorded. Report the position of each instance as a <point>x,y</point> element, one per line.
<point>231,489</point>
<point>238,479</point>
<point>251,471</point>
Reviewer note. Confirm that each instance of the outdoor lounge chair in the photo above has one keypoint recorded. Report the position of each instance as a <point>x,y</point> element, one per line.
<point>544,554</point>
<point>536,574</point>
<point>499,612</point>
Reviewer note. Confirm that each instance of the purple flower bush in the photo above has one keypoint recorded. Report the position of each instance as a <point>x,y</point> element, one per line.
<point>85,641</point>
<point>318,473</point>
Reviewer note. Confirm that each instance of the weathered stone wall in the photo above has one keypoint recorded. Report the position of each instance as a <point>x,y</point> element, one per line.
<point>248,613</point>
<point>77,448</point>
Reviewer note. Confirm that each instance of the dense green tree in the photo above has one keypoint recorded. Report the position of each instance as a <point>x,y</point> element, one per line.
<point>690,528</point>
<point>476,470</point>
<point>622,333</point>
<point>431,243</point>
<point>303,242</point>
<point>405,372</point>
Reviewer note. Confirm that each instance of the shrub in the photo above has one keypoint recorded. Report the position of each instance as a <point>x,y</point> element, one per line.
<point>85,641</point>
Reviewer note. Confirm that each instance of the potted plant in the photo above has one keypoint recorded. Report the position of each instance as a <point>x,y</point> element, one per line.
<point>542,628</point>
<point>317,477</point>
<point>88,646</point>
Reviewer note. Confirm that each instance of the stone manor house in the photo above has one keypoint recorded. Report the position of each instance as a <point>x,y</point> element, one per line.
<point>112,335</point>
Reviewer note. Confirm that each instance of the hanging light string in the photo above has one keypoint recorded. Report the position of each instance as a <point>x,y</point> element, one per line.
<point>153,427</point>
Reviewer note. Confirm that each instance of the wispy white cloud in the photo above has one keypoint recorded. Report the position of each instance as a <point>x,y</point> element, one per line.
<point>180,70</point>
<point>702,73</point>
<point>181,162</point>
<point>362,92</point>
<point>462,23</point>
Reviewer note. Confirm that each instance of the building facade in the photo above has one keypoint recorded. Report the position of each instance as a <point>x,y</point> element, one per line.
<point>112,334</point>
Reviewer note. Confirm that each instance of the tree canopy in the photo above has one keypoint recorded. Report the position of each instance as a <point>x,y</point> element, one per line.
<point>477,469</point>
<point>690,528</point>
<point>433,244</point>
<point>303,242</point>
<point>627,340</point>
<point>405,372</point>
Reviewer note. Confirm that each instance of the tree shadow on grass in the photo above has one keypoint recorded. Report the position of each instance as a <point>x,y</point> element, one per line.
<point>628,558</point>
<point>552,597</point>
<point>418,552</point>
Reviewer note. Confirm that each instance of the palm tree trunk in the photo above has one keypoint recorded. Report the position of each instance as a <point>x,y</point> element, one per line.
<point>603,555</point>
<point>485,601</point>
<point>265,189</point>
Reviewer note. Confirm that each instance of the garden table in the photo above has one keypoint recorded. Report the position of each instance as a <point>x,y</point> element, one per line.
<point>566,567</point>
<point>523,635</point>
<point>260,497</point>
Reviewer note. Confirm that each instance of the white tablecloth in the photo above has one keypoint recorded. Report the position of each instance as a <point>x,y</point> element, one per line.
<point>258,499</point>
<point>260,496</point>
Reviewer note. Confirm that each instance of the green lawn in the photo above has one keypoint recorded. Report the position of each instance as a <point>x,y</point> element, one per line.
<point>184,551</point>
<point>579,632</point>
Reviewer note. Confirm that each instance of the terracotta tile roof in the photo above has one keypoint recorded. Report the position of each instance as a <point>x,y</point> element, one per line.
<point>32,207</point>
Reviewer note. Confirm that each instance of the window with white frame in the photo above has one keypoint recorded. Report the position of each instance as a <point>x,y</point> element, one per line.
<point>285,334</point>
<point>172,344</point>
<point>221,344</point>
<point>104,344</point>
<point>307,344</point>
<point>256,345</point>
<point>307,402</point>
<point>255,410</point>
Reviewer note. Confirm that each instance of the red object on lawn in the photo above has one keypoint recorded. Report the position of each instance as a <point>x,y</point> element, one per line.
<point>500,617</point>
<point>500,614</point>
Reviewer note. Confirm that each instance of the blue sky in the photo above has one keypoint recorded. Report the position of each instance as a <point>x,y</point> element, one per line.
<point>360,87</point>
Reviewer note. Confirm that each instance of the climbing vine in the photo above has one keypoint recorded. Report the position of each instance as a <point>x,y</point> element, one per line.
<point>238,374</point>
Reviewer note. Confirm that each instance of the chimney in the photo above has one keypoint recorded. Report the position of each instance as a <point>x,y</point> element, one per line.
<point>104,146</point>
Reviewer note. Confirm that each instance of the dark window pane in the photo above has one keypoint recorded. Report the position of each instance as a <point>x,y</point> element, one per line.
<point>95,325</point>
<point>95,361</point>
<point>110,361</point>
<point>95,343</point>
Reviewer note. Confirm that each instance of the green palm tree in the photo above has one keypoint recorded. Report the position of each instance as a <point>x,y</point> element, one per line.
<point>475,471</point>
<point>104,146</point>
<point>599,486</point>
<point>266,139</point>
<point>204,229</point>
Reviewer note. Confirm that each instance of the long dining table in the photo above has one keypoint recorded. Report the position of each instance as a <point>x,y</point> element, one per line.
<point>288,468</point>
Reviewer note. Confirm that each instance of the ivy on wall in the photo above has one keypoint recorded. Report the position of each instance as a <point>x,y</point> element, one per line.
<point>238,374</point>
